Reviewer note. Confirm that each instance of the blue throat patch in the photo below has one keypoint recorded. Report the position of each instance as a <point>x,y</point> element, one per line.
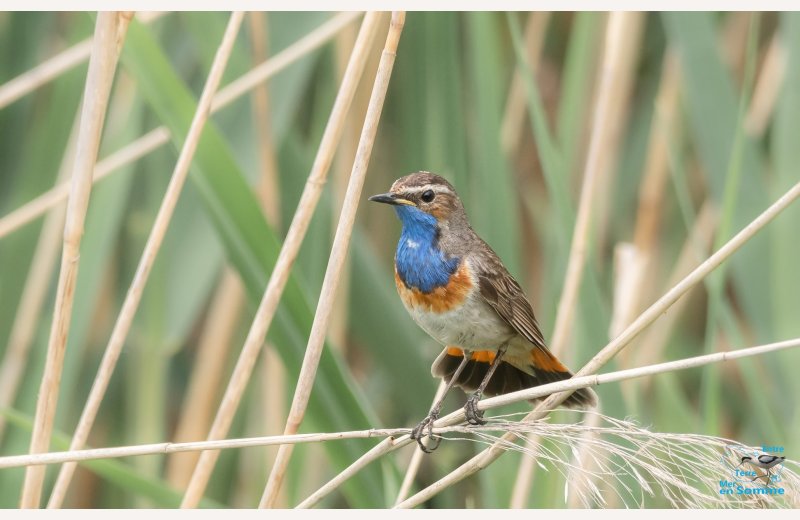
<point>420,263</point>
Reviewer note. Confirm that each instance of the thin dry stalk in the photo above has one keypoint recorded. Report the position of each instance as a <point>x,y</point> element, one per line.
<point>639,265</point>
<point>288,254</point>
<point>74,456</point>
<point>273,393</point>
<point>36,287</point>
<point>416,457</point>
<point>457,417</point>
<point>582,463</point>
<point>515,114</point>
<point>447,424</point>
<point>697,244</point>
<point>767,89</point>
<point>525,473</point>
<point>656,172</point>
<point>160,136</point>
<point>259,420</point>
<point>595,169</point>
<point>732,44</point>
<point>485,458</point>
<point>315,39</point>
<point>268,187</point>
<point>615,80</point>
<point>273,382</point>
<point>387,445</point>
<point>204,384</point>
<point>108,37</point>
<point>629,268</point>
<point>620,100</point>
<point>49,199</point>
<point>341,241</point>
<point>343,161</point>
<point>52,68</point>
<point>411,474</point>
<point>154,241</point>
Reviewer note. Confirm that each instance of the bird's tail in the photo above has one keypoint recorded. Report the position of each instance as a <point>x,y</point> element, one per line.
<point>542,367</point>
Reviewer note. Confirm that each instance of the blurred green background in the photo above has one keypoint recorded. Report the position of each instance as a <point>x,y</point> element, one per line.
<point>515,152</point>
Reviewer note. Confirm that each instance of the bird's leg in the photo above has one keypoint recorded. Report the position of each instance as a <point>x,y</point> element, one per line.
<point>767,477</point>
<point>475,416</point>
<point>418,433</point>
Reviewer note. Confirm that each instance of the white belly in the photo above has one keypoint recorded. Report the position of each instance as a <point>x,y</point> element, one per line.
<point>474,325</point>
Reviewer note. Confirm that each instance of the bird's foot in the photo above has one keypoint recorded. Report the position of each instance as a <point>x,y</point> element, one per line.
<point>425,429</point>
<point>474,416</point>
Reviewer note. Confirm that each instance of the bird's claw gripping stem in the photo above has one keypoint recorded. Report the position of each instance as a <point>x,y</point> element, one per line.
<point>425,429</point>
<point>473,415</point>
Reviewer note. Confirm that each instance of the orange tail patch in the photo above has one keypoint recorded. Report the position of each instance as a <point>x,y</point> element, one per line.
<point>481,356</point>
<point>455,352</point>
<point>548,369</point>
<point>544,360</point>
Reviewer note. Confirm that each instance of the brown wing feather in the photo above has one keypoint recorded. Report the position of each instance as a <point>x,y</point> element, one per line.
<point>505,296</point>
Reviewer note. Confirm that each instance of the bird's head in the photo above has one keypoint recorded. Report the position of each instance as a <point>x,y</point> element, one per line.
<point>745,459</point>
<point>424,198</point>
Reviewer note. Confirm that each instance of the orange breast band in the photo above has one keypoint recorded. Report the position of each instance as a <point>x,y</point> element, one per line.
<point>441,299</point>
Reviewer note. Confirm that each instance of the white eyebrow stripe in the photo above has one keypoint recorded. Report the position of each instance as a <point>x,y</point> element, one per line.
<point>436,188</point>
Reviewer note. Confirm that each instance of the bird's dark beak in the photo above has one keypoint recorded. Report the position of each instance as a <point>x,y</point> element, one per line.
<point>391,198</point>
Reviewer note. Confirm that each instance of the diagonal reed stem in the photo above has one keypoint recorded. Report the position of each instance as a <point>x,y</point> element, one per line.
<point>341,241</point>
<point>161,136</point>
<point>52,68</point>
<point>417,456</point>
<point>108,37</point>
<point>154,241</point>
<point>396,436</point>
<point>288,254</point>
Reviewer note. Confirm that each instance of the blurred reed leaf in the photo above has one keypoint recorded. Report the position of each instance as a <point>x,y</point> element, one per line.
<point>711,105</point>
<point>492,180</point>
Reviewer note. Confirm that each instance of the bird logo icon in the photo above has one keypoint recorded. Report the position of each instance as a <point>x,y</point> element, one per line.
<point>763,461</point>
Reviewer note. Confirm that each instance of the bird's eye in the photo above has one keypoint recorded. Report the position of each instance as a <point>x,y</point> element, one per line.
<point>427,196</point>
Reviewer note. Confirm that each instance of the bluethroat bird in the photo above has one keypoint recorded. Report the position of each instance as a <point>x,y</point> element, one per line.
<point>458,291</point>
